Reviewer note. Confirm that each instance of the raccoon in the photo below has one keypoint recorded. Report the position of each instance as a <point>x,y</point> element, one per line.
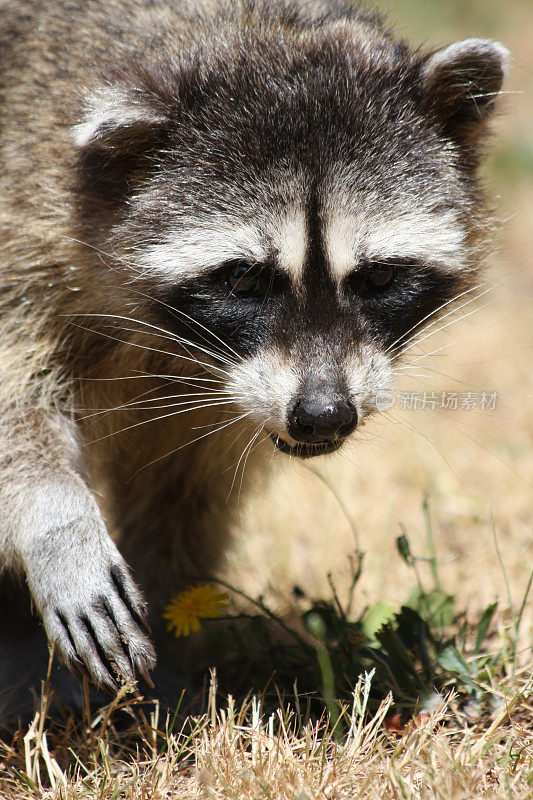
<point>220,223</point>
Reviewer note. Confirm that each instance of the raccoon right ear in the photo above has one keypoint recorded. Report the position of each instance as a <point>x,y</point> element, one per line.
<point>462,81</point>
<point>119,127</point>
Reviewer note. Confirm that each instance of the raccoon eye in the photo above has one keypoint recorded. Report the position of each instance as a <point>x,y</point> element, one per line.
<point>248,280</point>
<point>378,277</point>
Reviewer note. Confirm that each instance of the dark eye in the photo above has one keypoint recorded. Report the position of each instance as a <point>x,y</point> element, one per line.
<point>378,277</point>
<point>248,280</point>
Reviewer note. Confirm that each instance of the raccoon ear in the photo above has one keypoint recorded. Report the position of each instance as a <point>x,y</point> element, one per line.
<point>119,128</point>
<point>115,114</point>
<point>462,82</point>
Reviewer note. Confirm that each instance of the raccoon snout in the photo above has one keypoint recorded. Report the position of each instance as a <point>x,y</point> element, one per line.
<point>311,420</point>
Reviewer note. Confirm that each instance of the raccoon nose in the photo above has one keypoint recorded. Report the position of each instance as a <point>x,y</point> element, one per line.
<point>316,421</point>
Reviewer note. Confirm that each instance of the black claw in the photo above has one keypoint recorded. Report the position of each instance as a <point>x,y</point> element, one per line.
<point>122,638</point>
<point>118,580</point>
<point>106,663</point>
<point>144,623</point>
<point>145,675</point>
<point>106,686</point>
<point>137,667</point>
<point>63,620</point>
<point>79,669</point>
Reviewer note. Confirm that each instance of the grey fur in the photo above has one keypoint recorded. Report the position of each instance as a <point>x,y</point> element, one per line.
<point>144,145</point>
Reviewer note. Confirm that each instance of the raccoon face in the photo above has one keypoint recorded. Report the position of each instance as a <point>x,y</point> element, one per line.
<point>297,214</point>
<point>316,320</point>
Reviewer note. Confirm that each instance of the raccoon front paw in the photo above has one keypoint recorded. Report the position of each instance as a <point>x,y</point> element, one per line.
<point>91,608</point>
<point>100,630</point>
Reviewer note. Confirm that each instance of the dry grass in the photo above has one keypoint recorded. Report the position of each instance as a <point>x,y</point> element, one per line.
<point>469,464</point>
<point>238,753</point>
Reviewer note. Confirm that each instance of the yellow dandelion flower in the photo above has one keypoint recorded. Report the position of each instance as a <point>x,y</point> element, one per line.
<point>188,608</point>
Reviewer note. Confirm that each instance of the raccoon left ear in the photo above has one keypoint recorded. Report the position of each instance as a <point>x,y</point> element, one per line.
<point>114,114</point>
<point>119,128</point>
<point>462,82</point>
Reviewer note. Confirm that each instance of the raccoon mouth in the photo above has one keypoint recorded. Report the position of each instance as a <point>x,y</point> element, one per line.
<point>304,450</point>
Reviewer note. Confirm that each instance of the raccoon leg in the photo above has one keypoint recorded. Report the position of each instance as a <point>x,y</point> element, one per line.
<point>52,530</point>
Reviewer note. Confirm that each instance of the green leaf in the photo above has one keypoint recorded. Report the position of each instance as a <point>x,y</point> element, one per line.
<point>452,661</point>
<point>374,619</point>
<point>425,658</point>
<point>436,607</point>
<point>394,647</point>
<point>482,628</point>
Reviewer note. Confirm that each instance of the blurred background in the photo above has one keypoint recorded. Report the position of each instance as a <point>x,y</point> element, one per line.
<point>471,464</point>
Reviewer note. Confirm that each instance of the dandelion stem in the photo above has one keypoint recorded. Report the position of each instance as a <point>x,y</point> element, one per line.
<point>431,544</point>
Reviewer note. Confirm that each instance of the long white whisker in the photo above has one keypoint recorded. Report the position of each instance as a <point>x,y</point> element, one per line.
<point>446,346</point>
<point>432,314</point>
<point>189,347</point>
<point>136,404</point>
<point>192,382</point>
<point>399,373</point>
<point>405,370</point>
<point>174,310</point>
<point>441,374</point>
<point>250,449</point>
<point>151,375</point>
<point>417,342</point>
<point>431,442</point>
<point>215,394</point>
<point>155,330</point>
<point>460,339</point>
<point>209,367</point>
<point>238,436</point>
<point>163,416</point>
<point>180,378</point>
<point>186,344</point>
<point>103,252</point>
<point>443,418</point>
<point>246,447</point>
<point>137,397</point>
<point>193,441</point>
<point>194,321</point>
<point>417,337</point>
<point>208,425</point>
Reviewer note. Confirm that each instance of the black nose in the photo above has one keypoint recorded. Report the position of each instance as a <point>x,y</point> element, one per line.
<point>317,421</point>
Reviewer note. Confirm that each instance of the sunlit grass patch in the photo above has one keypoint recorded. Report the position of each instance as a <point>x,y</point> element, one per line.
<point>237,751</point>
<point>331,699</point>
<point>416,701</point>
<point>448,698</point>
